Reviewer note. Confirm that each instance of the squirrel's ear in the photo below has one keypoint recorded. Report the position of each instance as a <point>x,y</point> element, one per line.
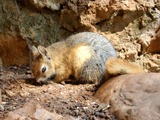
<point>42,50</point>
<point>34,50</point>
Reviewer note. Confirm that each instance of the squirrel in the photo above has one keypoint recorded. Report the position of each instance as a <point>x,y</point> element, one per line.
<point>87,57</point>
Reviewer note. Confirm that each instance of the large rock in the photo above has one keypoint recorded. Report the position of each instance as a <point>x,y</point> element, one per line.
<point>132,97</point>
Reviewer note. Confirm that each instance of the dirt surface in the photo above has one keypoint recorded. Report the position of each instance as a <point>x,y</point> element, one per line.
<point>18,87</point>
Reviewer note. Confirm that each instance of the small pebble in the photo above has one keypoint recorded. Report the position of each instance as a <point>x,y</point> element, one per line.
<point>63,83</point>
<point>96,113</point>
<point>28,68</point>
<point>1,73</point>
<point>28,72</point>
<point>15,67</point>
<point>1,108</point>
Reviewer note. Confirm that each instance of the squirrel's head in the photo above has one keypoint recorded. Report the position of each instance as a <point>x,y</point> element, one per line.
<point>41,64</point>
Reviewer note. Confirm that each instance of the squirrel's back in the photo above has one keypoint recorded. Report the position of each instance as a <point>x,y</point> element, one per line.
<point>100,44</point>
<point>97,46</point>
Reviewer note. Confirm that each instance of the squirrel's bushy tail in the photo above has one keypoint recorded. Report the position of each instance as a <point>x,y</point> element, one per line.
<point>116,66</point>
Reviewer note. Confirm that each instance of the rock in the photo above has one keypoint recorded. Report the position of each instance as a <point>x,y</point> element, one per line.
<point>132,97</point>
<point>147,34</point>
<point>90,13</point>
<point>132,5</point>
<point>151,62</point>
<point>14,68</point>
<point>33,111</point>
<point>69,20</point>
<point>13,50</point>
<point>154,45</point>
<point>1,107</point>
<point>28,72</point>
<point>131,55</point>
<point>51,4</point>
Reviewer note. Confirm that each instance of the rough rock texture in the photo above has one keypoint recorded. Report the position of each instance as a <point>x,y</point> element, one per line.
<point>92,13</point>
<point>51,4</point>
<point>130,25</point>
<point>132,97</point>
<point>155,43</point>
<point>21,19</point>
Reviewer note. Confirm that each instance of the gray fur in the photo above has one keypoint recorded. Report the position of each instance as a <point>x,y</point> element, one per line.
<point>94,69</point>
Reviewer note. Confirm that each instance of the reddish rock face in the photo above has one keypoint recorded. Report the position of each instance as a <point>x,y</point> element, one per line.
<point>132,97</point>
<point>155,43</point>
<point>88,13</point>
<point>13,50</point>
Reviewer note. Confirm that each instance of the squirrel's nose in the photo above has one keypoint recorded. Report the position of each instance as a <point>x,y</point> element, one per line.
<point>52,76</point>
<point>38,80</point>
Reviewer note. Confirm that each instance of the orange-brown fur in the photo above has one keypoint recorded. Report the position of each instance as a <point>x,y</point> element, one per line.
<point>59,63</point>
<point>64,67</point>
<point>13,50</point>
<point>116,66</point>
<point>85,56</point>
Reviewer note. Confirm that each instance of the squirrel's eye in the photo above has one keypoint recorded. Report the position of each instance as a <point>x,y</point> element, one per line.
<point>43,69</point>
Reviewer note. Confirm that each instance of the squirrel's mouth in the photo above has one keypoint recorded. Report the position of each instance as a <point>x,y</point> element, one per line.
<point>48,80</point>
<point>52,77</point>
